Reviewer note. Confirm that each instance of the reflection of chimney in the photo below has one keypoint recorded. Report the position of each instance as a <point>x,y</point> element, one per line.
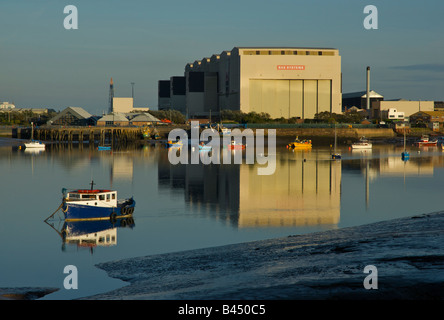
<point>111,95</point>
<point>368,88</point>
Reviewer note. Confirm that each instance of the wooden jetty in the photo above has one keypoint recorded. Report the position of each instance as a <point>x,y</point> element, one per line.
<point>89,134</point>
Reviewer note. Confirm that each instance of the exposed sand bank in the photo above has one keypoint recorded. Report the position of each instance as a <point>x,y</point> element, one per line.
<point>407,253</point>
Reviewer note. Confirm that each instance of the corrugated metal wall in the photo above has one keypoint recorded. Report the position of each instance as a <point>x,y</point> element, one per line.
<point>290,98</point>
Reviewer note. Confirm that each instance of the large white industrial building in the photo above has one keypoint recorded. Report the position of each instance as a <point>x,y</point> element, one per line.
<point>283,82</point>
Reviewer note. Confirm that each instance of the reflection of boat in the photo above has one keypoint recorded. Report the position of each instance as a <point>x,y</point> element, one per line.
<point>91,234</point>
<point>426,142</point>
<point>299,144</point>
<point>335,155</point>
<point>236,146</point>
<point>34,150</point>
<point>95,204</point>
<point>84,238</point>
<point>174,144</point>
<point>363,143</point>
<point>34,143</point>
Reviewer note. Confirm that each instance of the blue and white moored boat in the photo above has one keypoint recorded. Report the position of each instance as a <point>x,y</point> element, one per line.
<point>95,204</point>
<point>205,147</point>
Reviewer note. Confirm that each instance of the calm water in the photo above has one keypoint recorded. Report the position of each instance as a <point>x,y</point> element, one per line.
<point>194,206</point>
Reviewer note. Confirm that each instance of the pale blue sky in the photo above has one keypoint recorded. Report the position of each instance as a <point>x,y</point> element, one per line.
<point>143,41</point>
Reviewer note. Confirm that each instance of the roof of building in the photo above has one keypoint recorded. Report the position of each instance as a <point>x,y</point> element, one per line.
<point>289,48</point>
<point>361,94</point>
<point>77,112</point>
<point>117,117</point>
<point>431,113</point>
<point>145,117</point>
<point>82,112</point>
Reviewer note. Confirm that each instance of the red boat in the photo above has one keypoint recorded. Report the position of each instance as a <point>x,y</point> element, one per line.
<point>426,142</point>
<point>234,146</point>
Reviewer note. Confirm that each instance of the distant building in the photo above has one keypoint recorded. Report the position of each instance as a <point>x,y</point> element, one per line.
<point>172,94</point>
<point>6,106</point>
<point>122,105</point>
<point>407,106</point>
<point>113,119</point>
<point>142,119</point>
<point>359,99</point>
<point>125,105</point>
<point>392,114</point>
<point>73,116</point>
<point>283,82</point>
<point>439,106</point>
<point>427,118</point>
<point>164,95</point>
<point>35,110</point>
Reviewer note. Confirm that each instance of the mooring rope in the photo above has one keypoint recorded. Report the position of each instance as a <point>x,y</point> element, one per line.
<point>61,205</point>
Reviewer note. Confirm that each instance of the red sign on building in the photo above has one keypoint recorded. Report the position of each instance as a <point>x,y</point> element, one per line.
<point>291,67</point>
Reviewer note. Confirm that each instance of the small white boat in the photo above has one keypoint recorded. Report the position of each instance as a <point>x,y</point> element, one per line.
<point>34,143</point>
<point>363,143</point>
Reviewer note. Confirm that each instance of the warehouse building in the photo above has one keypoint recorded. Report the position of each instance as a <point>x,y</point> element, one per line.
<point>283,82</point>
<point>409,107</point>
<point>359,99</point>
<point>172,94</point>
<point>73,116</point>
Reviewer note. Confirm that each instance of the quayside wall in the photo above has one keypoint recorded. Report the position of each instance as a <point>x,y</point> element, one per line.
<point>126,134</point>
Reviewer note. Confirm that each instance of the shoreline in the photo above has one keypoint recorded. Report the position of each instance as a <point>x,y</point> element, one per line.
<point>407,253</point>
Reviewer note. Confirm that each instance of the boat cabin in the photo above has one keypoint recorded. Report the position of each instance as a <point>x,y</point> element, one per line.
<point>105,196</point>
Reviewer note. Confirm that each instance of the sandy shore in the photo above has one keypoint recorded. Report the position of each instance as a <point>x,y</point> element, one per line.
<point>407,253</point>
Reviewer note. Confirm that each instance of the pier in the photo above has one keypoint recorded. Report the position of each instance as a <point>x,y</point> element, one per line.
<point>82,134</point>
<point>125,134</point>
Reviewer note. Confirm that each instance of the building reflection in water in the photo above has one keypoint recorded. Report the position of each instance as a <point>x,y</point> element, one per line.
<point>304,190</point>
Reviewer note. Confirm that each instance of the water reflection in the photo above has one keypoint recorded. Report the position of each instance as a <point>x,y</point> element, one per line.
<point>304,190</point>
<point>91,234</point>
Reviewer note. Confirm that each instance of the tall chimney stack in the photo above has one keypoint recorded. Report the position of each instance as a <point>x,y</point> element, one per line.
<point>368,88</point>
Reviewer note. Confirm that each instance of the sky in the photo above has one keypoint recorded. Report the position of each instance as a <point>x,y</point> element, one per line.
<point>44,65</point>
